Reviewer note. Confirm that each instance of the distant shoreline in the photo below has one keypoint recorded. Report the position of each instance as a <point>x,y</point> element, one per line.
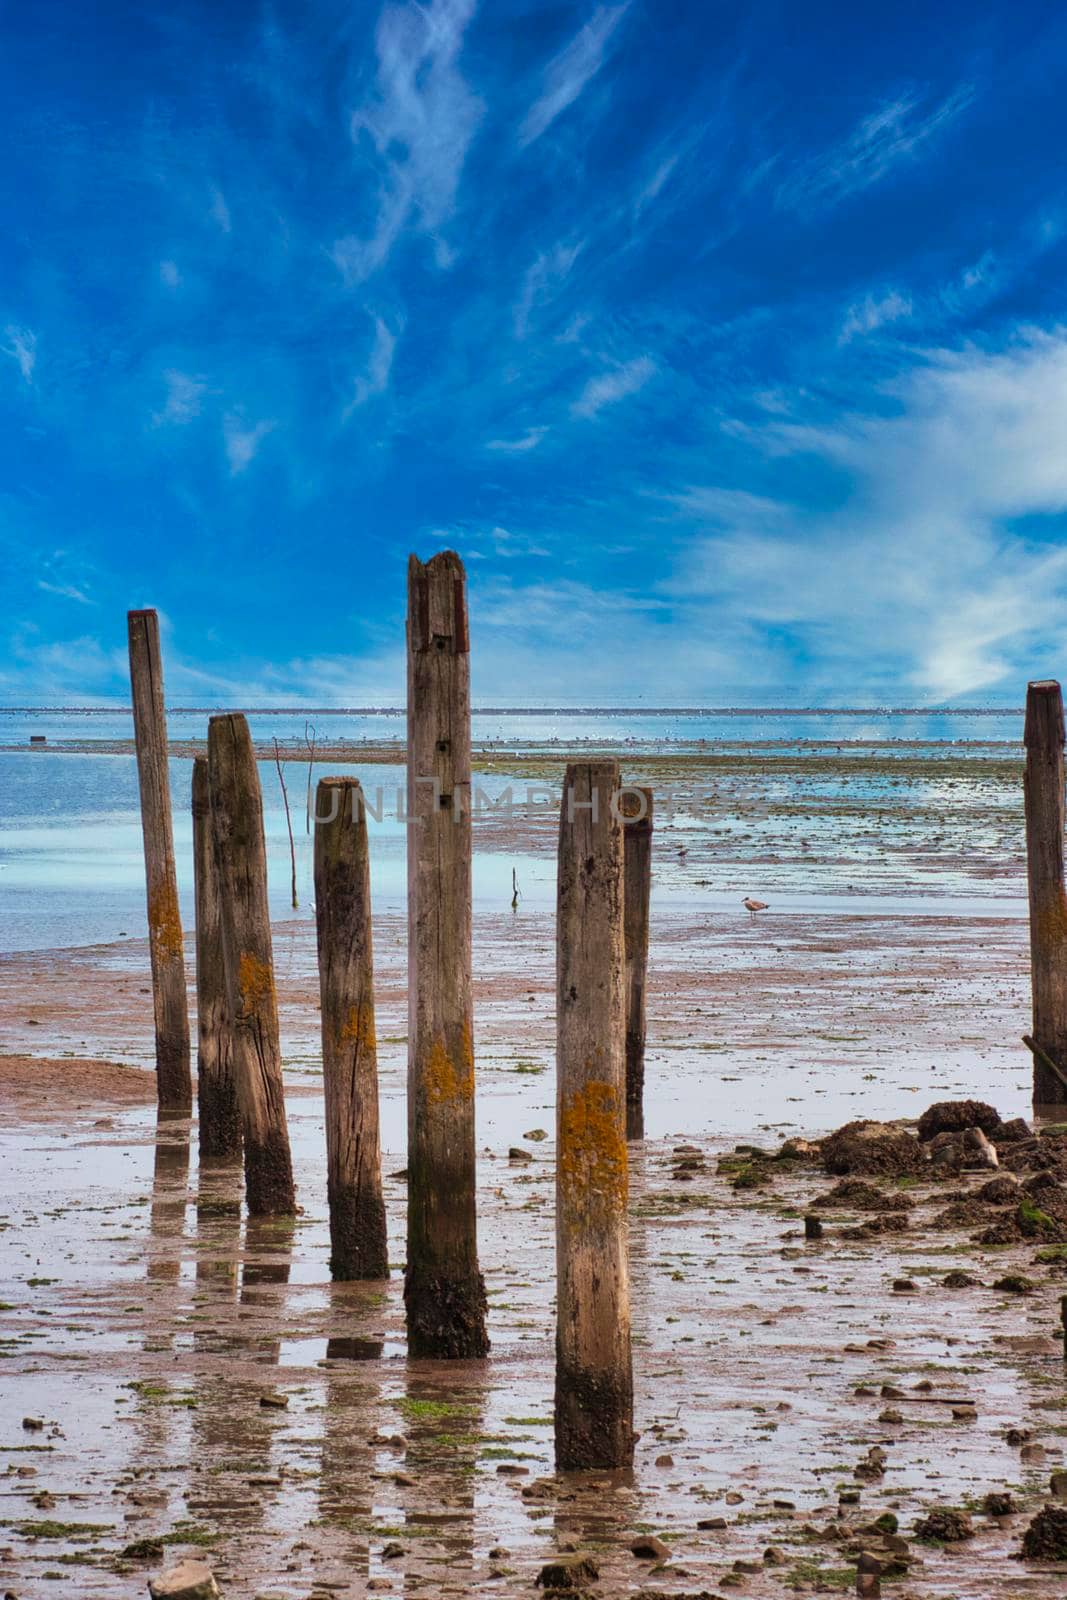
<point>536,711</point>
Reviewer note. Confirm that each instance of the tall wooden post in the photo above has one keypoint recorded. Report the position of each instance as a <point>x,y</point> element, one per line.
<point>237,816</point>
<point>1044,800</point>
<point>443,1291</point>
<point>216,1088</point>
<point>637,853</point>
<point>173,1077</point>
<point>358,1247</point>
<point>594,1376</point>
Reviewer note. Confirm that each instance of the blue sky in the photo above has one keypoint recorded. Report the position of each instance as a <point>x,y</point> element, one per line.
<point>725,342</point>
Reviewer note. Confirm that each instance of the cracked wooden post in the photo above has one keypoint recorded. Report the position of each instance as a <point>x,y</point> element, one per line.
<point>1044,803</point>
<point>443,1291</point>
<point>637,855</point>
<point>594,1375</point>
<point>216,1088</point>
<point>358,1247</point>
<point>237,817</point>
<point>174,1085</point>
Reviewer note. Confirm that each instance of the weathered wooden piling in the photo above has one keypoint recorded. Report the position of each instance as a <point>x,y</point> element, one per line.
<point>241,857</point>
<point>594,1376</point>
<point>1044,803</point>
<point>358,1247</point>
<point>636,808</point>
<point>174,1084</point>
<point>216,1088</point>
<point>444,1294</point>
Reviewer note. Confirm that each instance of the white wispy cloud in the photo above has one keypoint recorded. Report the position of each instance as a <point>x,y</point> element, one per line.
<point>219,211</point>
<point>21,346</point>
<point>375,378</point>
<point>541,281</point>
<point>895,132</point>
<point>243,441</point>
<point>610,387</point>
<point>873,312</point>
<point>568,73</point>
<point>922,575</point>
<point>185,394</point>
<point>66,591</point>
<point>519,445</point>
<point>655,184</point>
<point>419,125</point>
<point>169,274</point>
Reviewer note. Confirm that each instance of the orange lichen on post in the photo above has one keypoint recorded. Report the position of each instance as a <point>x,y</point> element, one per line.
<point>358,1028</point>
<point>446,1079</point>
<point>255,983</point>
<point>593,1161</point>
<point>165,923</point>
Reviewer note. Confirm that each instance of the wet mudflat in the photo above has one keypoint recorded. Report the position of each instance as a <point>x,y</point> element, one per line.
<point>201,1386</point>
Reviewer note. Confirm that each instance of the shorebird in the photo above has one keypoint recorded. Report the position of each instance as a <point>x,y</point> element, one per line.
<point>754,905</point>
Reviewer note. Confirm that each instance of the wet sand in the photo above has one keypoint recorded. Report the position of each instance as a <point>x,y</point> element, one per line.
<point>144,1320</point>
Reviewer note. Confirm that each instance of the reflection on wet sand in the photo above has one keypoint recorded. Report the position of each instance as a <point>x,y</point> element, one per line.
<point>170,1193</point>
<point>352,1448</point>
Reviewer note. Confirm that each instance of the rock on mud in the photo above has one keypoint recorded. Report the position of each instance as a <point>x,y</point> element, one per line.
<point>189,1580</point>
<point>1046,1537</point>
<point>873,1148</point>
<point>952,1116</point>
<point>945,1524</point>
<point>852,1194</point>
<point>568,1576</point>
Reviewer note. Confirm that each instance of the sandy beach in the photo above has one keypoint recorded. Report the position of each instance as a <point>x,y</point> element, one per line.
<point>192,1383</point>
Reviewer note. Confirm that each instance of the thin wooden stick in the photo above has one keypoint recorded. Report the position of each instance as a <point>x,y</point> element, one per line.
<point>288,821</point>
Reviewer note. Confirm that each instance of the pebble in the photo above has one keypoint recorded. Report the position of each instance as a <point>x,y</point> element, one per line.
<point>649,1548</point>
<point>189,1580</point>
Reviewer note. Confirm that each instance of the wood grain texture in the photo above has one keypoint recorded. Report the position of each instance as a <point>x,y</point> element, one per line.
<point>358,1247</point>
<point>219,1116</point>
<point>1043,789</point>
<point>637,808</point>
<point>166,945</point>
<point>594,1379</point>
<point>444,1293</point>
<point>237,817</point>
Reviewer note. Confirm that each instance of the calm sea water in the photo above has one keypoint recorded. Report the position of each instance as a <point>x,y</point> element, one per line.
<point>71,865</point>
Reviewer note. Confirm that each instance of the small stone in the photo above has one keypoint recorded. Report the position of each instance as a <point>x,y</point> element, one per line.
<point>649,1548</point>
<point>1013,1283</point>
<point>733,1498</point>
<point>849,1497</point>
<point>1046,1537</point>
<point>568,1575</point>
<point>999,1503</point>
<point>274,1402</point>
<point>712,1524</point>
<point>498,1553</point>
<point>1058,1485</point>
<point>1032,1453</point>
<point>945,1525</point>
<point>1017,1436</point>
<point>392,1551</point>
<point>32,1424</point>
<point>665,1461</point>
<point>957,1279</point>
<point>404,1480</point>
<point>964,1414</point>
<point>536,1134</point>
<point>813,1228</point>
<point>189,1580</point>
<point>516,1153</point>
<point>905,1286</point>
<point>773,1557</point>
<point>511,1469</point>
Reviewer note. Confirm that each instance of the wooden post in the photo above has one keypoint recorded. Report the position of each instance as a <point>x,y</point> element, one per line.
<point>443,1292</point>
<point>173,1076</point>
<point>216,1088</point>
<point>637,855</point>
<point>358,1247</point>
<point>1044,802</point>
<point>594,1376</point>
<point>237,817</point>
